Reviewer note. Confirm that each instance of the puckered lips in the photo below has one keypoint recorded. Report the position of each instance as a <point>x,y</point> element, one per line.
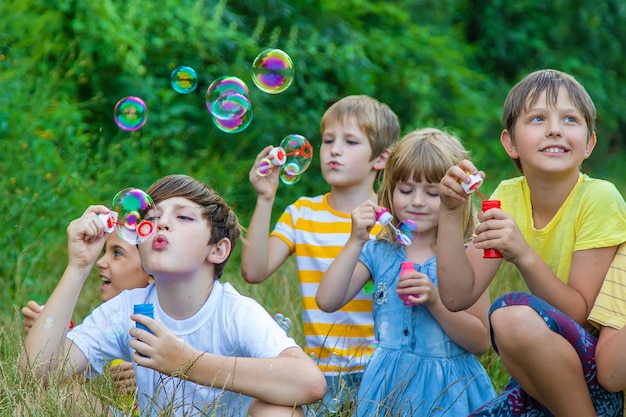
<point>159,242</point>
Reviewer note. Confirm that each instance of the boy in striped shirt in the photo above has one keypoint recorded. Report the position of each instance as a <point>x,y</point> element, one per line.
<point>357,133</point>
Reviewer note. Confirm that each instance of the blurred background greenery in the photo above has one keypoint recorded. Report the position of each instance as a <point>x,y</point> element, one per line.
<point>64,64</point>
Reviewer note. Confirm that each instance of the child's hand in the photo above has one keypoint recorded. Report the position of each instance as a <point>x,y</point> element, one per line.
<point>451,191</point>
<point>265,186</point>
<point>418,288</point>
<point>160,350</point>
<point>86,237</point>
<point>363,219</point>
<point>30,312</point>
<point>498,230</point>
<point>123,378</point>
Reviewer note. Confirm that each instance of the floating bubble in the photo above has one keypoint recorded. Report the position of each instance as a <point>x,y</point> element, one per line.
<point>334,406</point>
<point>299,153</point>
<point>136,215</point>
<point>130,113</point>
<point>232,106</point>
<point>237,123</point>
<point>221,87</point>
<point>408,228</point>
<point>264,167</point>
<point>290,173</point>
<point>184,79</point>
<point>284,322</point>
<point>272,71</point>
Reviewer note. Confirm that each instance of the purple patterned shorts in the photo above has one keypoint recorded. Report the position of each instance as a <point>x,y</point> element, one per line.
<point>514,401</point>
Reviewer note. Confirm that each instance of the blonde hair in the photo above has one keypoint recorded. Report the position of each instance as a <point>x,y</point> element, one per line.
<point>422,155</point>
<point>375,119</point>
<point>527,91</point>
<point>220,217</point>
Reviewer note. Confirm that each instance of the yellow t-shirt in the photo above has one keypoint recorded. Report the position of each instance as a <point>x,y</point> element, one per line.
<point>592,216</point>
<point>610,307</point>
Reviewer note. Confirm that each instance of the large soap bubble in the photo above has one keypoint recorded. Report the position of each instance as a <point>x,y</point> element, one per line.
<point>136,211</point>
<point>272,71</point>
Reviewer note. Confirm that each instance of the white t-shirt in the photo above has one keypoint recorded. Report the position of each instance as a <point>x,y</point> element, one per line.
<point>228,324</point>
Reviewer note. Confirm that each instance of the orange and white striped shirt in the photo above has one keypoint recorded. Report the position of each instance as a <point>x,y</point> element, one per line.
<point>341,341</point>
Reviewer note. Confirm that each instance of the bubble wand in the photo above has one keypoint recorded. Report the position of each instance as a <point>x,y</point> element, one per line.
<point>293,155</point>
<point>405,230</point>
<point>137,212</point>
<point>475,182</point>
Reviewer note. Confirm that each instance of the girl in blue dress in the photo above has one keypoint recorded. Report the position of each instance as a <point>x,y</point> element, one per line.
<point>425,363</point>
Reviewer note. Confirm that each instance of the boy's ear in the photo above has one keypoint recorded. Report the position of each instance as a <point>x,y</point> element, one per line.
<point>591,143</point>
<point>508,144</point>
<point>381,160</point>
<point>219,251</point>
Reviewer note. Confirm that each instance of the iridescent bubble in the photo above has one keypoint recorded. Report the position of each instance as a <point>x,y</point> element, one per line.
<point>284,322</point>
<point>334,406</point>
<point>299,152</point>
<point>264,167</point>
<point>136,220</point>
<point>130,113</point>
<point>272,71</point>
<point>232,106</point>
<point>184,79</point>
<point>220,87</point>
<point>290,173</point>
<point>235,124</point>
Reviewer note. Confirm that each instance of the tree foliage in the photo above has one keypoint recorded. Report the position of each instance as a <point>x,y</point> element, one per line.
<point>64,65</point>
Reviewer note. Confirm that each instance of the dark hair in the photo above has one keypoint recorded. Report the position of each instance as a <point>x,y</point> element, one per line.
<point>220,217</point>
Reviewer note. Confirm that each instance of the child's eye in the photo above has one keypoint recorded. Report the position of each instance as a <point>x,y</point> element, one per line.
<point>536,119</point>
<point>571,119</point>
<point>117,253</point>
<point>326,141</point>
<point>183,217</point>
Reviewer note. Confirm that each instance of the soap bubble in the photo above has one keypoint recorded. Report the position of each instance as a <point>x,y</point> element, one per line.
<point>184,79</point>
<point>130,113</point>
<point>272,71</point>
<point>219,89</point>
<point>237,113</point>
<point>136,215</point>
<point>290,173</point>
<point>299,153</point>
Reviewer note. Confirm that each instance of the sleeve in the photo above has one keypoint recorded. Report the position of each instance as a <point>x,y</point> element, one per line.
<point>610,307</point>
<point>258,333</point>
<point>103,335</point>
<point>602,221</point>
<point>285,227</point>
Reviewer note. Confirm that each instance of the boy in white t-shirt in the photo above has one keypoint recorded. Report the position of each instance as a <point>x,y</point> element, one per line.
<point>207,344</point>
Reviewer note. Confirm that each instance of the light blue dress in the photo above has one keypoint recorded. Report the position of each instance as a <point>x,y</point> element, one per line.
<point>416,370</point>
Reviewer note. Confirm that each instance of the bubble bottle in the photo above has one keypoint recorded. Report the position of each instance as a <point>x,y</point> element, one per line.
<point>406,266</point>
<point>475,182</point>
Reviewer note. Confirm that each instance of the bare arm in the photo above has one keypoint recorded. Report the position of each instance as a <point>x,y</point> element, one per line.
<point>610,358</point>
<point>290,379</point>
<point>345,276</point>
<point>576,298</point>
<point>261,254</point>
<point>46,347</point>
<point>462,274</point>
